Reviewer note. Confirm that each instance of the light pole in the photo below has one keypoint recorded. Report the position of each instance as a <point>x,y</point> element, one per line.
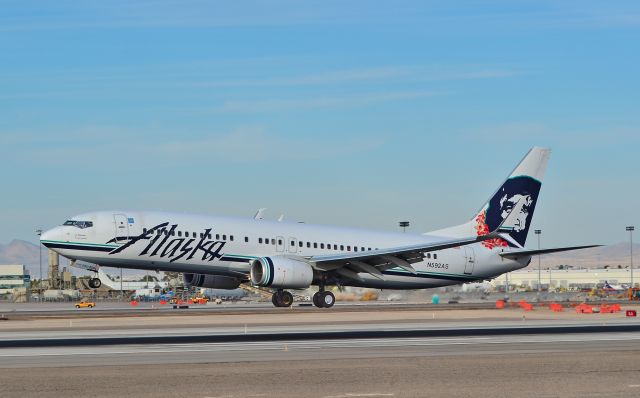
<point>538,232</point>
<point>39,232</point>
<point>404,225</point>
<point>631,228</point>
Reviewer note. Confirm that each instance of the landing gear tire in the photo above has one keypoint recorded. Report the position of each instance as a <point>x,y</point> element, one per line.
<point>324,299</point>
<point>282,299</point>
<point>286,299</point>
<point>95,283</point>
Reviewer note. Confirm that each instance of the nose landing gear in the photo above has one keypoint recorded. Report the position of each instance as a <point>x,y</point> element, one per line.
<point>282,298</point>
<point>95,283</point>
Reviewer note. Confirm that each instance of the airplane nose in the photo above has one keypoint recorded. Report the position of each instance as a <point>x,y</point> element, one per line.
<point>48,236</point>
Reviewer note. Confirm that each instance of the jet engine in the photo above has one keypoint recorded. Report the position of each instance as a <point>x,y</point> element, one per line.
<point>211,281</point>
<point>281,273</point>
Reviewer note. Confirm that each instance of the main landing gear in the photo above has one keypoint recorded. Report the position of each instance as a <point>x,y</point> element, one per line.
<point>324,299</point>
<point>282,298</point>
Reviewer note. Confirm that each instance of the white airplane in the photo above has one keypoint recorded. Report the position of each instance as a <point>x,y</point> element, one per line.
<point>614,287</point>
<point>224,252</point>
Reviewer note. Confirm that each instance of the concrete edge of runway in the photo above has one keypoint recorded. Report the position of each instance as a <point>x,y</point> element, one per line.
<point>301,336</point>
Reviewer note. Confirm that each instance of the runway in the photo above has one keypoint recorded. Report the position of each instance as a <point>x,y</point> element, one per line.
<point>513,366</point>
<point>296,353</point>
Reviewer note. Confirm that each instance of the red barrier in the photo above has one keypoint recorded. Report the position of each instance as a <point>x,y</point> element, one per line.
<point>555,307</point>
<point>584,309</point>
<point>631,313</point>
<point>500,304</point>
<point>525,306</point>
<point>134,303</point>
<point>163,302</point>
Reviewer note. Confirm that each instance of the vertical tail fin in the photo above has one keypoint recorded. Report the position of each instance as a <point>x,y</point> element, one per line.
<point>523,184</point>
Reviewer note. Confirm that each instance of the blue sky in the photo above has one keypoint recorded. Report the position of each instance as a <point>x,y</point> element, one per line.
<point>353,113</point>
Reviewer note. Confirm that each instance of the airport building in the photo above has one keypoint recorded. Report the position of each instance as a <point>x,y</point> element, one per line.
<point>13,277</point>
<point>567,279</point>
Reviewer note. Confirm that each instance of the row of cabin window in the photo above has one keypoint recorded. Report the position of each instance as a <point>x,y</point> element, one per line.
<point>273,242</point>
<point>315,245</point>
<point>195,235</point>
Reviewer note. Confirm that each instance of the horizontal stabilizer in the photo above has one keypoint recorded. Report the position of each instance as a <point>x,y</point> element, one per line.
<point>523,253</point>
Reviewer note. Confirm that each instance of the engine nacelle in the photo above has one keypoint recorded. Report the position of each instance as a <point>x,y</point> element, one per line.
<point>211,281</point>
<point>281,272</point>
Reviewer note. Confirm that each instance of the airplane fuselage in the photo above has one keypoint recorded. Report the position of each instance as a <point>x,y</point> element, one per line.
<point>225,246</point>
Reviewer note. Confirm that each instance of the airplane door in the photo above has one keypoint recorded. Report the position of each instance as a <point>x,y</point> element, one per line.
<point>279,244</point>
<point>293,245</point>
<point>470,259</point>
<point>122,227</point>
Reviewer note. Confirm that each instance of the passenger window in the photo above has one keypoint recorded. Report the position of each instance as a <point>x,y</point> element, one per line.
<point>362,249</point>
<point>173,233</point>
<point>280,241</point>
<point>217,236</point>
<point>144,231</point>
<point>308,244</point>
<point>300,243</point>
<point>259,240</point>
<point>315,245</point>
<point>342,247</point>
<point>335,247</point>
<point>293,243</point>
<point>328,246</point>
<point>355,248</point>
<point>246,239</point>
<point>195,235</point>
<point>179,233</point>
<point>231,238</point>
<point>428,255</point>
<point>435,256</point>
<point>201,235</point>
<point>322,245</point>
<point>348,248</point>
<point>273,241</point>
<point>369,248</point>
<point>208,236</point>
<point>224,237</point>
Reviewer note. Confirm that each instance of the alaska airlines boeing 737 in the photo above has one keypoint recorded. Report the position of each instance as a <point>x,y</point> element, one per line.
<point>224,252</point>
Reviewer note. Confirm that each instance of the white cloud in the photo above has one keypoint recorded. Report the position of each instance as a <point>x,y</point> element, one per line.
<point>254,144</point>
<point>279,105</point>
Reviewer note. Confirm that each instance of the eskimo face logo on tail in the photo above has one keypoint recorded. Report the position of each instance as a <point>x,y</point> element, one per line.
<point>164,244</point>
<point>512,191</point>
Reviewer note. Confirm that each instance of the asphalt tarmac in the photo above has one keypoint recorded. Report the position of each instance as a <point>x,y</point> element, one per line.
<point>380,353</point>
<point>515,366</point>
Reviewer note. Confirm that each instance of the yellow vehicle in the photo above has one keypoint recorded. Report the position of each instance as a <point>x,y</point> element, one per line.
<point>200,300</point>
<point>86,304</point>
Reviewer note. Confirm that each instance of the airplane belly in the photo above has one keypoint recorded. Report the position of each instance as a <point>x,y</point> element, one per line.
<point>401,282</point>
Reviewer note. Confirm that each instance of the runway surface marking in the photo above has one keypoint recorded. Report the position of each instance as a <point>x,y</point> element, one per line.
<point>310,345</point>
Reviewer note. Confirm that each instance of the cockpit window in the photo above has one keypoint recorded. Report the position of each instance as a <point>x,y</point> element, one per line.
<point>79,224</point>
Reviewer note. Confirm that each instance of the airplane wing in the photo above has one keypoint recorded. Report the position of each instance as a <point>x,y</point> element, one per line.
<point>376,261</point>
<point>526,253</point>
